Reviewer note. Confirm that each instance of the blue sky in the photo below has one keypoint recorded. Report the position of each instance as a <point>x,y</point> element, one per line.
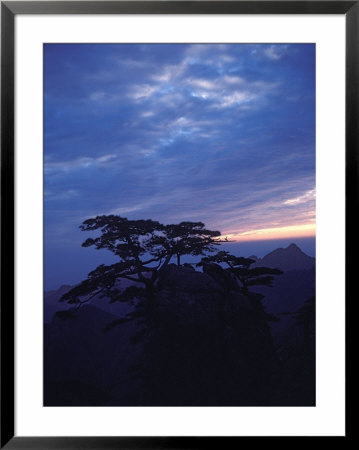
<point>223,134</point>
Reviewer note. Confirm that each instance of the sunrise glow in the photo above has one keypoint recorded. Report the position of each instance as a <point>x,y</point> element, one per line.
<point>293,231</point>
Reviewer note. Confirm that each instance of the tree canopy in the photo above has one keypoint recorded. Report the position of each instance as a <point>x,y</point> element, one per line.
<point>240,267</point>
<point>191,238</point>
<point>144,247</point>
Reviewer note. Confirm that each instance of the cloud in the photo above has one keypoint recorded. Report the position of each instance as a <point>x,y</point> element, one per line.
<point>203,83</point>
<point>275,52</point>
<point>170,72</point>
<point>148,114</point>
<point>235,98</point>
<point>174,85</point>
<point>304,198</point>
<point>142,91</point>
<point>230,91</point>
<point>61,195</point>
<point>83,162</point>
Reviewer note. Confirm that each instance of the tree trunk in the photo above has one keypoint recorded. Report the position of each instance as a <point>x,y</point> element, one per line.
<point>150,299</point>
<point>178,259</point>
<point>147,346</point>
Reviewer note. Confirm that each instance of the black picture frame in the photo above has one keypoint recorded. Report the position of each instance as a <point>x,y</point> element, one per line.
<point>9,9</point>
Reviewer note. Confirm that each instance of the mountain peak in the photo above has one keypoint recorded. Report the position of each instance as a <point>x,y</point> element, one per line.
<point>292,245</point>
<point>289,258</point>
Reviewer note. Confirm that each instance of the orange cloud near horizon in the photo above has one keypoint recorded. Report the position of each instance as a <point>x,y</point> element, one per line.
<point>292,231</point>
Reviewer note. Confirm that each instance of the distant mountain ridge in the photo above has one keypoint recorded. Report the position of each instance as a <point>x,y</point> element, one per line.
<point>286,259</point>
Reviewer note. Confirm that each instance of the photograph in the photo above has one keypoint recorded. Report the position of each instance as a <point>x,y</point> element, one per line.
<point>179,224</point>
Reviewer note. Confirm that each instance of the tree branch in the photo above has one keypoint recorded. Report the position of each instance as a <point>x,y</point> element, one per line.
<point>80,303</point>
<point>130,278</point>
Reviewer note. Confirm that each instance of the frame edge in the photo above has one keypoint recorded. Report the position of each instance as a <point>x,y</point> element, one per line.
<point>351,168</point>
<point>8,12</point>
<point>7,226</point>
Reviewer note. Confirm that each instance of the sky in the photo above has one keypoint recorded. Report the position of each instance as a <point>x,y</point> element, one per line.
<point>218,133</point>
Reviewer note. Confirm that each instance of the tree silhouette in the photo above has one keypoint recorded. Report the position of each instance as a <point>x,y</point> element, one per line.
<point>174,352</point>
<point>240,267</point>
<point>131,241</point>
<point>145,248</point>
<point>304,317</point>
<point>191,238</point>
